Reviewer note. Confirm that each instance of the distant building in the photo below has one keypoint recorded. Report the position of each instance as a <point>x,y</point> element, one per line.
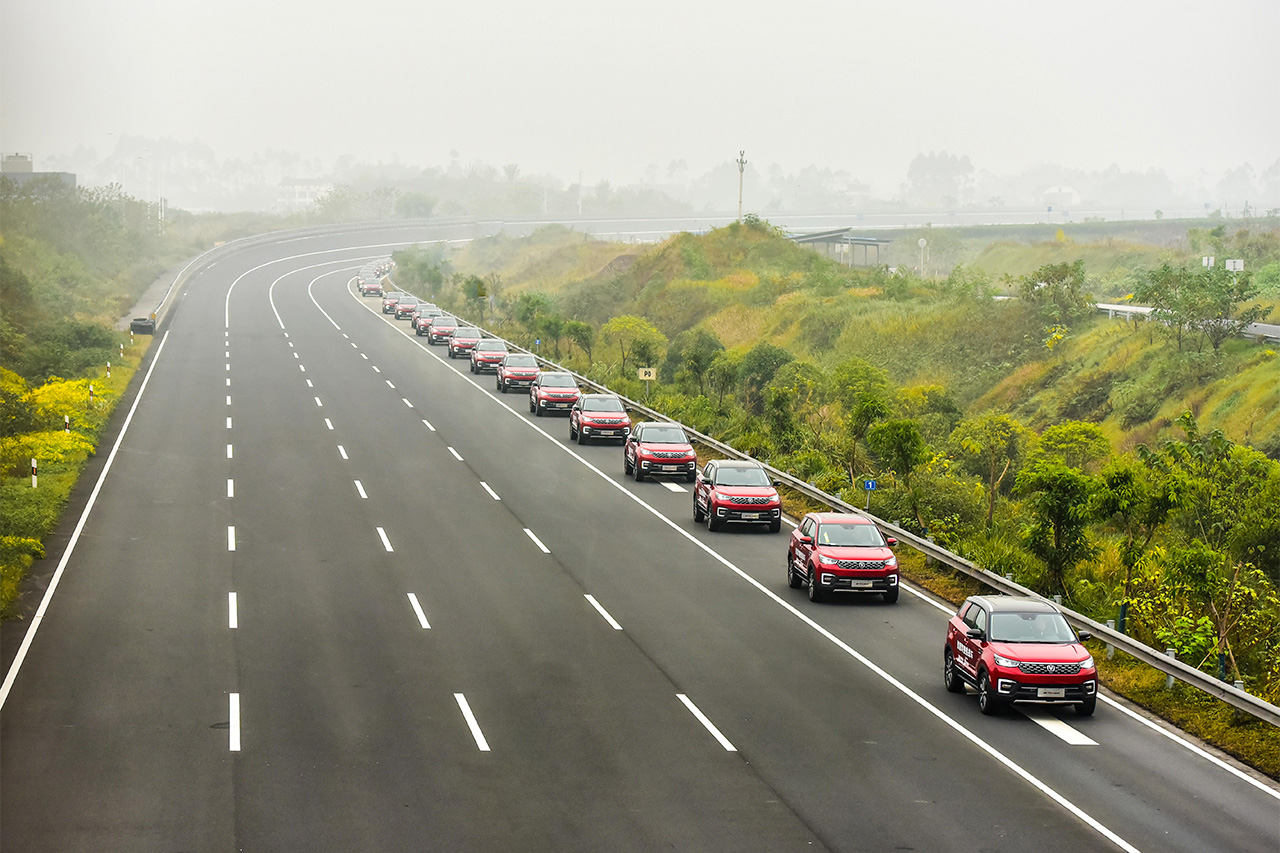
<point>298,194</point>
<point>1060,197</point>
<point>19,169</point>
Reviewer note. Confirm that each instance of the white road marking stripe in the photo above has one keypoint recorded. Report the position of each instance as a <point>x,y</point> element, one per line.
<point>702,718</point>
<point>233,613</point>
<point>386,543</point>
<point>345,335</point>
<point>328,423</point>
<point>406,402</point>
<point>228,423</point>
<point>491,492</point>
<point>228,399</point>
<point>537,541</point>
<point>360,489</point>
<point>605,613</point>
<point>1052,724</point>
<point>925,598</point>
<point>235,722</point>
<point>228,367</point>
<point>227,354</point>
<point>389,385</point>
<point>428,424</point>
<point>342,450</point>
<point>228,451</point>
<point>295,355</point>
<point>302,367</point>
<point>672,487</point>
<point>231,488</point>
<point>353,345</point>
<point>417,609</point>
<point>375,369</point>
<point>471,722</point>
<point>455,454</point>
<point>318,403</point>
<point>228,381</point>
<point>231,537</point>
<point>290,344</point>
<point>310,384</point>
<point>362,355</point>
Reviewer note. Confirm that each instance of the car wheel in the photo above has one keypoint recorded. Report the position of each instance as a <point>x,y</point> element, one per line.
<point>498,384</point>
<point>815,588</point>
<point>638,472</point>
<point>713,523</point>
<point>573,433</point>
<point>531,404</point>
<point>1086,708</point>
<point>626,465</point>
<point>698,515</point>
<point>537,410</point>
<point>988,703</point>
<point>582,438</point>
<point>793,577</point>
<point>890,596</point>
<point>775,526</point>
<point>950,678</point>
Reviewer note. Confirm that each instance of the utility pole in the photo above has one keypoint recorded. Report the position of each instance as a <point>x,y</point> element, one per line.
<point>742,167</point>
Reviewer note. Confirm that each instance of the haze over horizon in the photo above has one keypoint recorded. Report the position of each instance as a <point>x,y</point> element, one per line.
<point>567,87</point>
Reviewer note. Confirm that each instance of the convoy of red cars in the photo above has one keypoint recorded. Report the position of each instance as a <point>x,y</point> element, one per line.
<point>1007,648</point>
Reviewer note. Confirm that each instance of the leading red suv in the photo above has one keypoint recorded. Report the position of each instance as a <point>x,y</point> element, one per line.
<point>598,416</point>
<point>841,552</point>
<point>736,491</point>
<point>655,448</point>
<point>1018,649</point>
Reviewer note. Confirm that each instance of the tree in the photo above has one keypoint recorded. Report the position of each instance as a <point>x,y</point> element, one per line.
<point>531,305</point>
<point>1220,294</point>
<point>550,327</point>
<point>756,371</point>
<point>628,333</point>
<point>723,374</point>
<point>1059,499</point>
<point>582,335</point>
<point>691,353</point>
<point>1058,291</point>
<point>900,444</point>
<point>803,389</point>
<point>1129,495</point>
<point>1170,292</point>
<point>867,408</point>
<point>993,442</point>
<point>1075,444</point>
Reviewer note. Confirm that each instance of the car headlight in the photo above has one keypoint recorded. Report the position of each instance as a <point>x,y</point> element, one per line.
<point>1087,663</point>
<point>1009,663</point>
<point>891,563</point>
<point>827,561</point>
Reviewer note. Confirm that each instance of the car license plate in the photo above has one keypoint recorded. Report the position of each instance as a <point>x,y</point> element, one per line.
<point>861,584</point>
<point>750,516</point>
<point>1051,693</point>
<point>669,467</point>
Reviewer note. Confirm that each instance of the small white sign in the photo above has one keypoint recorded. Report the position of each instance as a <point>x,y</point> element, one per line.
<point>646,373</point>
<point>1235,265</point>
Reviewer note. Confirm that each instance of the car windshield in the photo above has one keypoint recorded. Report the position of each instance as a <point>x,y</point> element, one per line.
<point>663,435</point>
<point>733,476</point>
<point>464,332</point>
<point>443,321</point>
<point>1043,627</point>
<point>520,361</point>
<point>557,380</point>
<point>850,535</point>
<point>408,300</point>
<point>492,346</point>
<point>603,404</point>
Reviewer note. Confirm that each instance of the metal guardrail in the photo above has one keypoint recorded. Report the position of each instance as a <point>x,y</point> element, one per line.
<point>1228,693</point>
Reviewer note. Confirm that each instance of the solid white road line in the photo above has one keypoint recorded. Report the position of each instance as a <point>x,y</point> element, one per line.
<point>605,613</point>
<point>417,609</point>
<point>231,488</point>
<point>233,614</point>
<point>1052,724</point>
<point>702,718</point>
<point>406,402</point>
<point>231,537</point>
<point>491,492</point>
<point>318,403</point>
<point>428,424</point>
<point>228,451</point>
<point>360,489</point>
<point>672,487</point>
<point>926,599</point>
<point>328,423</point>
<point>386,543</point>
<point>342,451</point>
<point>29,637</point>
<point>455,454</point>
<point>536,541</point>
<point>471,722</point>
<point>235,722</point>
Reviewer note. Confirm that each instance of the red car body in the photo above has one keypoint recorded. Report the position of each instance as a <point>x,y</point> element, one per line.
<point>841,552</point>
<point>732,491</point>
<point>517,370</point>
<point>462,340</point>
<point>405,306</point>
<point>422,320</point>
<point>659,449</point>
<point>553,392</point>
<point>389,301</point>
<point>372,287</point>
<point>598,416</point>
<point>440,329</point>
<point>1018,649</point>
<point>487,354</point>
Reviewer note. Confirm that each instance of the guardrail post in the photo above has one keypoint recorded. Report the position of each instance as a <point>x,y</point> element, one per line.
<point>1222,666</point>
<point>1239,716</point>
<point>1124,616</point>
<point>1111,650</point>
<point>1168,679</point>
<point>33,473</point>
<point>1057,599</point>
<point>66,423</point>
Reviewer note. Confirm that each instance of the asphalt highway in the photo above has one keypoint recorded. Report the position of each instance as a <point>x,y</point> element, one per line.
<point>336,593</point>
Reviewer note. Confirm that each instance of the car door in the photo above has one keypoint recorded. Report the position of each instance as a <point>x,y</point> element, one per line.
<point>702,486</point>
<point>970,648</point>
<point>800,549</point>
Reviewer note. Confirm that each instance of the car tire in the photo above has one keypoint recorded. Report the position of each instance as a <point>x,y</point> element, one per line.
<point>988,702</point>
<point>698,515</point>
<point>1086,708</point>
<point>582,439</point>
<point>950,678</point>
<point>573,433</point>
<point>626,466</point>
<point>775,526</point>
<point>890,596</point>
<point>637,472</point>
<point>793,577</point>
<point>815,589</point>
<point>713,523</point>
<point>502,389</point>
<point>538,411</point>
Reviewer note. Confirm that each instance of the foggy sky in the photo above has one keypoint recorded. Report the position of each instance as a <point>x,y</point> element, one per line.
<point>562,86</point>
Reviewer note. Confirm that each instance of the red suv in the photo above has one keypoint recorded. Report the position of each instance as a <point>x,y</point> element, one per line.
<point>439,329</point>
<point>834,551</point>
<point>516,370</point>
<point>660,449</point>
<point>389,301</point>
<point>486,355</point>
<point>462,340</point>
<point>598,416</point>
<point>1018,649</point>
<point>553,392</point>
<point>730,490</point>
<point>369,287</point>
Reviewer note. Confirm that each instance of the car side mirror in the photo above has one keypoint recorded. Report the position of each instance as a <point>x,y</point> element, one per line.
<point>1084,635</point>
<point>805,540</point>
<point>777,484</point>
<point>976,634</point>
<point>890,541</point>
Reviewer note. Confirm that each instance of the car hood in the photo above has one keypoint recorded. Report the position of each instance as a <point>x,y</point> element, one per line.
<point>748,491</point>
<point>851,552</point>
<point>671,448</point>
<point>1041,652</point>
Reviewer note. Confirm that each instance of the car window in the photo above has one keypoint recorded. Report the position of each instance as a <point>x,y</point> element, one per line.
<point>709,471</point>
<point>980,619</point>
<point>806,528</point>
<point>1042,627</point>
<point>968,613</point>
<point>850,535</point>
<point>557,380</point>
<point>664,435</point>
<point>603,404</point>
<point>520,361</point>
<point>734,476</point>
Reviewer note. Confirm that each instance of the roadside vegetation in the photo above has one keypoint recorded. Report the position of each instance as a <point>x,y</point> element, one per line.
<point>1129,467</point>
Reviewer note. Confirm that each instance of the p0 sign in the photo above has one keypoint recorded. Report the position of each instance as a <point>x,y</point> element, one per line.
<point>646,373</point>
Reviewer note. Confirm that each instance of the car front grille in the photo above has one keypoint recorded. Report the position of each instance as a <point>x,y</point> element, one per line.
<point>602,422</point>
<point>737,499</point>
<point>1049,668</point>
<point>669,454</point>
<point>860,564</point>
